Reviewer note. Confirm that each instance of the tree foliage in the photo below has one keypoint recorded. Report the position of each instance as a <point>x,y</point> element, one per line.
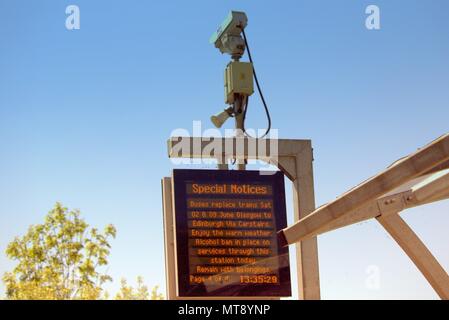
<point>59,259</point>
<point>141,292</point>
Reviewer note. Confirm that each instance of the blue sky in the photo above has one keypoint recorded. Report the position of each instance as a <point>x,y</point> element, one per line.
<point>84,115</point>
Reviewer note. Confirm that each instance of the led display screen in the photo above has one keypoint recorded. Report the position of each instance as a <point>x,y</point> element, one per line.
<point>226,233</point>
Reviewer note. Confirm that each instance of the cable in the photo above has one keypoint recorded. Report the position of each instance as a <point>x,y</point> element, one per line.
<point>260,94</point>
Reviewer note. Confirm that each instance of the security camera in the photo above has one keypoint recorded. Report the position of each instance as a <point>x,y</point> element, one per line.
<point>228,37</point>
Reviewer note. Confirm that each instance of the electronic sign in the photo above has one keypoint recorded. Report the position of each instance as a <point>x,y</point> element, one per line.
<point>226,224</point>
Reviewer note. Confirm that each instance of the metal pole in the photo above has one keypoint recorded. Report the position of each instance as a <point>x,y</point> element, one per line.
<point>238,109</point>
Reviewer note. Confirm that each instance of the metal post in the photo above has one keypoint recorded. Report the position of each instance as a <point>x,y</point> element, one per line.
<point>238,109</point>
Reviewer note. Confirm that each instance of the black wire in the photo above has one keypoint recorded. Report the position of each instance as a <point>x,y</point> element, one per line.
<point>260,94</point>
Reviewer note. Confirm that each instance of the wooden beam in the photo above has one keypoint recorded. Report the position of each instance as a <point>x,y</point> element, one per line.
<point>436,184</point>
<point>437,197</point>
<point>230,148</point>
<point>417,252</point>
<point>303,205</point>
<point>169,239</point>
<point>444,165</point>
<point>281,153</point>
<point>423,190</point>
<point>369,211</point>
<point>411,167</point>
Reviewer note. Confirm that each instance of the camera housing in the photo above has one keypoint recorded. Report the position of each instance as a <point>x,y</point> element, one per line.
<point>228,37</point>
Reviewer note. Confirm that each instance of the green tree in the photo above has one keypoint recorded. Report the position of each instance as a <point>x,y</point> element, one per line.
<point>59,259</point>
<point>155,295</point>
<point>141,292</point>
